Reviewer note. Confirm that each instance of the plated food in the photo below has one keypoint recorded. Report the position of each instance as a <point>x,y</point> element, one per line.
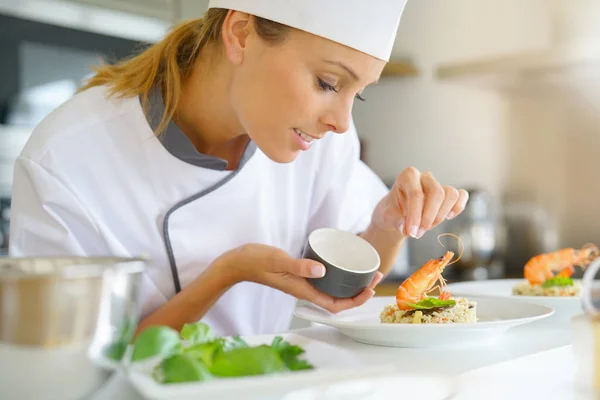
<point>415,306</point>
<point>196,355</point>
<point>550,274</point>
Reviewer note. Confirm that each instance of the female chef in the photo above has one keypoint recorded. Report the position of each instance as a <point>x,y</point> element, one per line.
<point>216,152</point>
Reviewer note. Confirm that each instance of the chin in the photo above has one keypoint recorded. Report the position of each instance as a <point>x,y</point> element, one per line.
<point>281,156</point>
<point>277,150</point>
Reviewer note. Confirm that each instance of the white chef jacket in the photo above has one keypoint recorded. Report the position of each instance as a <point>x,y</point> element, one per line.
<point>93,179</point>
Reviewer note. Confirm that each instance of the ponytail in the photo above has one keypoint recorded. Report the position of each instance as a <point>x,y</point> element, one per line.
<point>168,63</point>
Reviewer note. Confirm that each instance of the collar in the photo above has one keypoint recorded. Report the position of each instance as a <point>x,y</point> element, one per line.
<point>180,146</point>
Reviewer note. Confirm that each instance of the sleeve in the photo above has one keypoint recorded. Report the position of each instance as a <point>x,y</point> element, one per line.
<point>46,218</point>
<point>347,190</point>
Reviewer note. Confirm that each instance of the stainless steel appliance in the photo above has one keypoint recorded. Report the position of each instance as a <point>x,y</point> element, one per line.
<point>481,229</point>
<point>5,203</point>
<point>531,231</point>
<point>63,323</point>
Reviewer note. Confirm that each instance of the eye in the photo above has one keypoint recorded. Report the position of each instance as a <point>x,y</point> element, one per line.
<point>325,86</point>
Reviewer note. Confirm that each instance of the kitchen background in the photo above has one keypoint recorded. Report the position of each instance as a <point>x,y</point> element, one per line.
<point>497,96</point>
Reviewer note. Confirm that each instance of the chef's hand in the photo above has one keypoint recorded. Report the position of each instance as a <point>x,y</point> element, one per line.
<point>417,203</point>
<point>273,267</point>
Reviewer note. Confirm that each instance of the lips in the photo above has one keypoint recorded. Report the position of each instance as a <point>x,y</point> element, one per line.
<point>306,137</point>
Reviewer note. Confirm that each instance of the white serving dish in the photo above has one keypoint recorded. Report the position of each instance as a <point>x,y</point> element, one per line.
<point>363,325</point>
<point>331,363</point>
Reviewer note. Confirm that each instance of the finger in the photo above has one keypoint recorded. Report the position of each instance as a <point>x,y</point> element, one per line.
<point>304,268</point>
<point>411,186</point>
<point>302,290</point>
<point>390,211</point>
<point>450,199</point>
<point>434,198</point>
<point>340,305</point>
<point>361,298</point>
<point>376,279</point>
<point>397,212</point>
<point>461,203</point>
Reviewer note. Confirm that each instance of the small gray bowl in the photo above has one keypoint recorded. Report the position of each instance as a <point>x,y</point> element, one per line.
<point>350,261</point>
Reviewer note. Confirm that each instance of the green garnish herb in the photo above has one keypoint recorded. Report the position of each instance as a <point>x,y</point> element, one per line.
<point>179,368</point>
<point>195,354</point>
<point>432,302</point>
<point>156,341</point>
<point>558,281</point>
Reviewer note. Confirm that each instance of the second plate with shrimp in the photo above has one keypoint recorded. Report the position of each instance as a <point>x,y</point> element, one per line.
<point>565,307</point>
<point>488,321</point>
<point>547,280</point>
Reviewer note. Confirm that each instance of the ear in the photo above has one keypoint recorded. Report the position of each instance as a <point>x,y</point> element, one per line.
<point>236,28</point>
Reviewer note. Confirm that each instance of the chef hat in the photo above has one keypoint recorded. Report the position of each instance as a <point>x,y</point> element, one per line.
<point>361,24</point>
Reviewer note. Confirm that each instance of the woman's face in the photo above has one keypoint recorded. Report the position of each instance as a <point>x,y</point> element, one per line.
<point>289,95</point>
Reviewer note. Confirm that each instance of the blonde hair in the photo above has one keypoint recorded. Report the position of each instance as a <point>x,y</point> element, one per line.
<point>168,63</point>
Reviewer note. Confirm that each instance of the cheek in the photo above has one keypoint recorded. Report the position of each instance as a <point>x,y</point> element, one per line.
<point>273,97</point>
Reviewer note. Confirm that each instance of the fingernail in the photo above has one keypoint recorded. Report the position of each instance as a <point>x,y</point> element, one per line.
<point>414,230</point>
<point>401,225</point>
<point>450,215</point>
<point>420,233</point>
<point>318,271</point>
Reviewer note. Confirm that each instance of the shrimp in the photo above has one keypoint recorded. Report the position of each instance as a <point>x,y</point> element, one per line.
<point>422,281</point>
<point>543,266</point>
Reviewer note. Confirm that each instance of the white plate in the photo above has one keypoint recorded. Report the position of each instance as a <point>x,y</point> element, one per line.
<point>363,325</point>
<point>565,307</point>
<point>411,386</point>
<point>331,364</point>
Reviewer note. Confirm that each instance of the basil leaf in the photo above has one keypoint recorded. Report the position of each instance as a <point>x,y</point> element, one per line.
<point>197,332</point>
<point>561,281</point>
<point>247,361</point>
<point>116,350</point>
<point>181,368</point>
<point>432,302</point>
<point>205,352</point>
<point>290,353</point>
<point>235,342</point>
<point>154,341</point>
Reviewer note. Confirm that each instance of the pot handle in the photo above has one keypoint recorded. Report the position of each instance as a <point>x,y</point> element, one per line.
<point>588,280</point>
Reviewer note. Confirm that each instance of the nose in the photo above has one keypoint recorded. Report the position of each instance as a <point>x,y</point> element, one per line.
<point>337,117</point>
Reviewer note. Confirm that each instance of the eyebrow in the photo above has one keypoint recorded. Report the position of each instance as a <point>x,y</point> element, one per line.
<point>349,70</point>
<point>345,67</point>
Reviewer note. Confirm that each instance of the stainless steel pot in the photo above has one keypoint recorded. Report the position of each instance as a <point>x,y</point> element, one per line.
<point>64,323</point>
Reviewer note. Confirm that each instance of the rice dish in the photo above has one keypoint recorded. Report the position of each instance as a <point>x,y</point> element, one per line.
<point>527,289</point>
<point>463,311</point>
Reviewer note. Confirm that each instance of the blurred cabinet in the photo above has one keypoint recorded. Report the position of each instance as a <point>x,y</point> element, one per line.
<point>442,32</point>
<point>165,10</point>
<point>191,9</point>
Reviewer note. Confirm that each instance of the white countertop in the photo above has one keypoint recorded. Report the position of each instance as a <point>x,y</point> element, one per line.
<point>516,343</point>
